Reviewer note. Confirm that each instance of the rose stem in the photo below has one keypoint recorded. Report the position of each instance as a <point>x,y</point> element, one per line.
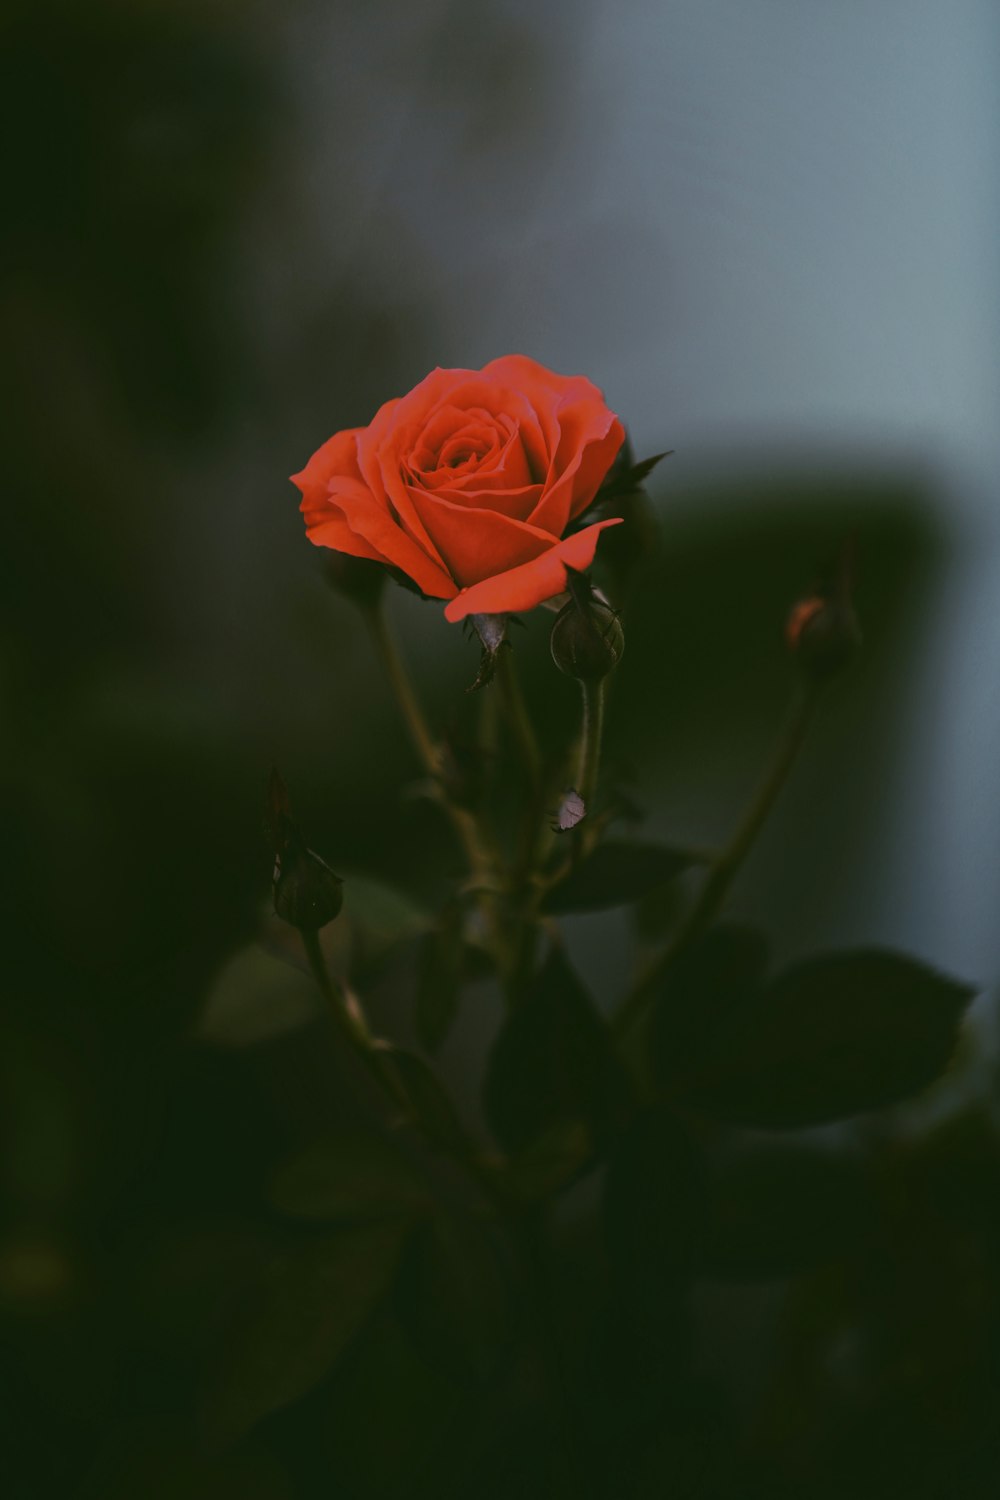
<point>518,718</point>
<point>406,698</point>
<point>590,743</point>
<point>399,681</point>
<point>353,1026</point>
<point>727,864</point>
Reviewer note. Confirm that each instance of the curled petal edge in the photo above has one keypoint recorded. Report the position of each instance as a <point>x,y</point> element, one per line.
<point>531,583</point>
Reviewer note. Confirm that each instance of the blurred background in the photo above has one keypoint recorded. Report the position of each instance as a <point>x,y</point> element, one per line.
<point>768,232</point>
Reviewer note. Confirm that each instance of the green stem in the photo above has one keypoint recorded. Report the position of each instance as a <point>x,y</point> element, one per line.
<point>727,865</point>
<point>378,1062</point>
<point>406,698</point>
<point>519,718</point>
<point>352,1025</point>
<point>590,743</point>
<point>423,741</point>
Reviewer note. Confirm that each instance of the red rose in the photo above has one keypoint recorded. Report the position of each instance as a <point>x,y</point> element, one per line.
<point>469,483</point>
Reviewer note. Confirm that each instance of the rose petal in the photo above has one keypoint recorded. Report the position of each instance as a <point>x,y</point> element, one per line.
<point>338,455</point>
<point>523,587</point>
<point>382,446</point>
<point>589,438</point>
<point>475,495</point>
<point>476,543</point>
<point>334,532</point>
<point>369,520</point>
<point>443,389</point>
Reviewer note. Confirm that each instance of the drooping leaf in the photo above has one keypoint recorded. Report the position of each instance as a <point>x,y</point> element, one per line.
<point>288,1327</point>
<point>439,976</point>
<point>552,1062</point>
<point>618,872</point>
<point>353,1177</point>
<point>832,1037</point>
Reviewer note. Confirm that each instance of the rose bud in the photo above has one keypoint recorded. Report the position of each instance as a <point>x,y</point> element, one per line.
<point>306,891</point>
<point>587,639</point>
<point>822,634</point>
<point>307,894</point>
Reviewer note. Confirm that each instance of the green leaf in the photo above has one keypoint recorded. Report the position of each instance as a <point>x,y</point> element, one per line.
<point>429,1099</point>
<point>633,477</point>
<point>780,1208</point>
<point>439,977</point>
<point>715,977</point>
<point>353,1177</point>
<point>618,872</point>
<point>553,1061</point>
<point>381,919</point>
<point>385,1425</point>
<point>291,1325</point>
<point>833,1037</point>
<point>453,1297</point>
<point>258,996</point>
<point>654,1205</point>
<point>551,1161</point>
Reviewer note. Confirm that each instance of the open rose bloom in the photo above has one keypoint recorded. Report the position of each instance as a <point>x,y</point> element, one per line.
<point>470,484</point>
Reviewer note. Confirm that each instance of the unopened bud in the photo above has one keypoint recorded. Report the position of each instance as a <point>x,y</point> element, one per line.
<point>587,640</point>
<point>306,891</point>
<point>823,635</point>
<point>307,894</point>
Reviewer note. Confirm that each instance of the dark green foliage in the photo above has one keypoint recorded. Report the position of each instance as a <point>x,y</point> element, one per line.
<point>706,983</point>
<point>553,1062</point>
<point>430,1103</point>
<point>617,873</point>
<point>833,1037</point>
<point>353,1177</point>
<point>438,978</point>
<point>456,1298</point>
<point>229,1266</point>
<point>780,1208</point>
<point>549,1162</point>
<point>655,1206</point>
<point>290,1324</point>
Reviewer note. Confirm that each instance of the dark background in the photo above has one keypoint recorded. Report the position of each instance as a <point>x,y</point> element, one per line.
<point>767,233</point>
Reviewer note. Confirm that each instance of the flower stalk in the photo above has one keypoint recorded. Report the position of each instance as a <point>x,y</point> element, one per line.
<point>727,864</point>
<point>591,735</point>
<point>464,824</point>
